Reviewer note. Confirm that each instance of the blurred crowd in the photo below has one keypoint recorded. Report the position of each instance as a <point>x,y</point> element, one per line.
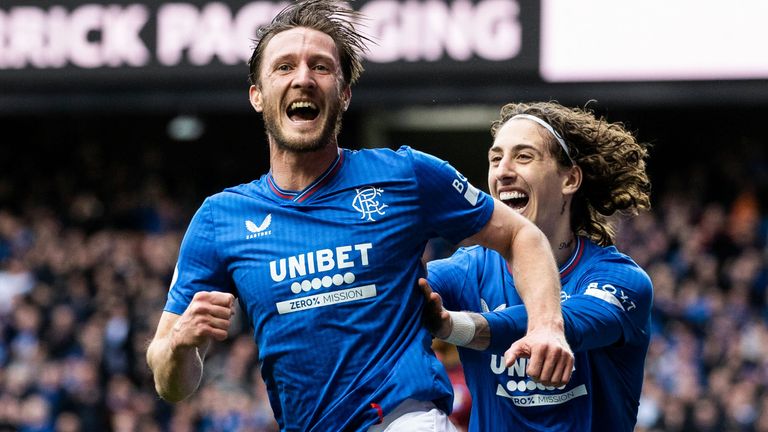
<point>84,275</point>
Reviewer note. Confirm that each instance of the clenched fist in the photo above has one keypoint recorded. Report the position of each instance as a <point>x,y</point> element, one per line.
<point>208,317</point>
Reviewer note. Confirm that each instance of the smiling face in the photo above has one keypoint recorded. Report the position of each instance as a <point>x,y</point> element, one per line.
<point>524,174</point>
<point>300,91</point>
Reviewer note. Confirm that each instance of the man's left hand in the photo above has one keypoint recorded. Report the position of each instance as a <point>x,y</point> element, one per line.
<point>551,359</point>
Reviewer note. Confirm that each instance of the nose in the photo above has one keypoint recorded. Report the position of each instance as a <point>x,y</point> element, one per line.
<point>505,171</point>
<point>304,77</point>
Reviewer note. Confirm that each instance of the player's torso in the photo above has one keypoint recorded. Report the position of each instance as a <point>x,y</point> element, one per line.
<point>497,388</point>
<point>327,255</point>
<point>324,280</point>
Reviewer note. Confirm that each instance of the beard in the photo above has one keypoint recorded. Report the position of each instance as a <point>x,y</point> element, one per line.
<point>310,142</point>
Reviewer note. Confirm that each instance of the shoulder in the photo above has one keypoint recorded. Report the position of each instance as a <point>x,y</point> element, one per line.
<point>467,253</point>
<point>403,163</point>
<point>461,261</point>
<point>404,154</point>
<point>239,192</point>
<point>245,189</point>
<point>477,253</point>
<point>609,258</point>
<point>606,269</point>
<point>234,202</point>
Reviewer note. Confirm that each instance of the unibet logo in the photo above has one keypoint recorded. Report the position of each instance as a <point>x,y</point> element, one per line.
<point>318,261</point>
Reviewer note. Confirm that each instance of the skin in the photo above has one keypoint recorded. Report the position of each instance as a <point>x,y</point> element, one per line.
<point>176,353</point>
<point>520,162</point>
<point>301,64</point>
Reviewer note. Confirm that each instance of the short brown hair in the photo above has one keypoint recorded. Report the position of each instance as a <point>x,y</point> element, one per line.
<point>331,17</point>
<point>610,157</point>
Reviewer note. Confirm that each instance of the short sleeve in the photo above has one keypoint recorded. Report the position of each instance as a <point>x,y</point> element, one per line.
<point>198,268</point>
<point>451,206</point>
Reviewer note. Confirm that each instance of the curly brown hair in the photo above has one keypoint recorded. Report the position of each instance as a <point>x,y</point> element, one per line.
<point>332,17</point>
<point>610,157</point>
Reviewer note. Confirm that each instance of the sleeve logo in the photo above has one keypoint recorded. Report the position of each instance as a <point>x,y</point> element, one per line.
<point>612,295</point>
<point>462,186</point>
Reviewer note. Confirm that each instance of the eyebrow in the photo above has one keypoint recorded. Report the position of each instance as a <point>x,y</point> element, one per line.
<point>515,148</point>
<point>311,58</point>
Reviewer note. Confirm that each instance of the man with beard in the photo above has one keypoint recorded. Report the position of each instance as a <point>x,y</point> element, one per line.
<point>323,253</point>
<point>567,171</point>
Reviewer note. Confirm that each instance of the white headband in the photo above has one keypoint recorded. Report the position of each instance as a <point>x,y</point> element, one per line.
<point>546,126</point>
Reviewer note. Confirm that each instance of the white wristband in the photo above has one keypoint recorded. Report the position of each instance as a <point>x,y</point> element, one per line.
<point>463,330</point>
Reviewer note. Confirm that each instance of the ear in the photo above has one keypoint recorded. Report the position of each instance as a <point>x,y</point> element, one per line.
<point>346,97</point>
<point>254,94</point>
<point>572,180</point>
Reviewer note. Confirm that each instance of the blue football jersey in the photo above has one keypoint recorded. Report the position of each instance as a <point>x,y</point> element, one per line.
<point>328,278</point>
<point>606,302</point>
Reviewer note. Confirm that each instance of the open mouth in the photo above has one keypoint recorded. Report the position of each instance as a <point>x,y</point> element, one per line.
<point>514,199</point>
<point>302,111</point>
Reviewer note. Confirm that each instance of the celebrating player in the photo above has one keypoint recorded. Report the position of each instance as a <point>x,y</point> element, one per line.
<point>566,171</point>
<point>323,253</point>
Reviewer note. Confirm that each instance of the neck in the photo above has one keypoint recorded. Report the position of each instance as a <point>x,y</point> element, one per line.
<point>562,240</point>
<point>564,248</point>
<point>296,170</point>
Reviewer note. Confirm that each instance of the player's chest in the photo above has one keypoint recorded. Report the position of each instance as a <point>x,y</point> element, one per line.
<point>353,230</point>
<point>498,291</point>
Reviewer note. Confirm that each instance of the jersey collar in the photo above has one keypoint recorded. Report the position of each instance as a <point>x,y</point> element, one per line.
<point>322,180</point>
<point>573,261</point>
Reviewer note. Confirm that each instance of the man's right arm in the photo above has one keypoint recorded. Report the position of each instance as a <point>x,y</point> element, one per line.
<point>537,281</point>
<point>591,320</point>
<point>178,349</point>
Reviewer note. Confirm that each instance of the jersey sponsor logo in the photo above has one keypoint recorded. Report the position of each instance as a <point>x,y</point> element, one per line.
<point>612,295</point>
<point>519,385</point>
<point>517,369</point>
<point>258,230</point>
<point>368,204</point>
<point>319,261</point>
<point>338,265</point>
<point>539,399</point>
<point>326,299</point>
<point>464,187</point>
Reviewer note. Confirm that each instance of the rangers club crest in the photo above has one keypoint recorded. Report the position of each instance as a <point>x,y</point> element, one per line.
<point>367,202</point>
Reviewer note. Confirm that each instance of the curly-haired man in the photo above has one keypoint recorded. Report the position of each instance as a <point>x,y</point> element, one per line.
<point>568,172</point>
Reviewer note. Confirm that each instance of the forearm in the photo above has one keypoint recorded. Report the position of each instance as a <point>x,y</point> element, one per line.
<point>177,371</point>
<point>469,330</point>
<point>492,330</point>
<point>536,278</point>
<point>506,326</point>
<point>587,325</point>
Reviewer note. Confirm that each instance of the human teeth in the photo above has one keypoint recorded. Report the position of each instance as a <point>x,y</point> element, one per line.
<point>303,104</point>
<point>511,195</point>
